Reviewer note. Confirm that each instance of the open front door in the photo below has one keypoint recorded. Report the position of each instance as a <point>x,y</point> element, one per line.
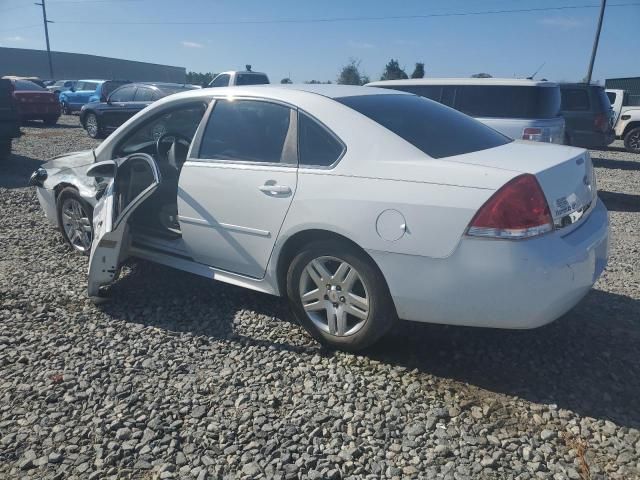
<point>133,179</point>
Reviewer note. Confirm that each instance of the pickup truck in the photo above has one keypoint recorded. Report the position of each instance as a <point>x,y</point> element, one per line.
<point>244,77</point>
<point>9,121</point>
<point>626,119</point>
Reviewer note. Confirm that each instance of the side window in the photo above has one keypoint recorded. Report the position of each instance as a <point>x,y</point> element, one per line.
<point>221,81</point>
<point>183,120</point>
<point>79,86</point>
<point>91,86</point>
<point>123,94</point>
<point>144,95</point>
<point>316,145</point>
<point>249,131</point>
<point>575,99</point>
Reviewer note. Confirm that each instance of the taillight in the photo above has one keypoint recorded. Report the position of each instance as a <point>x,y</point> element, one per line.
<point>531,133</point>
<point>518,210</point>
<point>601,122</point>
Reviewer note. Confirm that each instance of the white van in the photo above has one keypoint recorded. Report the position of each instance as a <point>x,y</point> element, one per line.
<point>517,108</point>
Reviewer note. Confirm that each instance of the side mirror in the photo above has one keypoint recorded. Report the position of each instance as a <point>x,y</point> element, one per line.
<point>106,169</point>
<point>72,89</point>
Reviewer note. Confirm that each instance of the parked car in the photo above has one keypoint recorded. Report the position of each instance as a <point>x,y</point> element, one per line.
<point>626,119</point>
<point>86,91</point>
<point>525,109</point>
<point>34,102</point>
<point>239,78</point>
<point>37,80</point>
<point>101,118</point>
<point>62,86</point>
<point>587,114</point>
<point>9,121</point>
<point>360,205</point>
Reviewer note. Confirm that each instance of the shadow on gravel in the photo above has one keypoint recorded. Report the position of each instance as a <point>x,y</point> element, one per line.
<point>620,202</point>
<point>20,169</point>
<point>616,164</point>
<point>588,361</point>
<point>41,125</point>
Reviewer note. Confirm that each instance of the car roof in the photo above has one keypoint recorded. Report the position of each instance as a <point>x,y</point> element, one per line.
<point>507,82</point>
<point>579,85</point>
<point>90,80</point>
<point>162,84</point>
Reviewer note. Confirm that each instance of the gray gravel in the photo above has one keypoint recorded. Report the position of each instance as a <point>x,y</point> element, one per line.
<point>180,377</point>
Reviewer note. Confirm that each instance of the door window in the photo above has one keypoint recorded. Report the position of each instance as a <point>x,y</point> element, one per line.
<point>183,120</point>
<point>123,94</point>
<point>144,95</point>
<point>575,99</point>
<point>317,146</point>
<point>220,81</point>
<point>249,131</point>
<point>89,86</point>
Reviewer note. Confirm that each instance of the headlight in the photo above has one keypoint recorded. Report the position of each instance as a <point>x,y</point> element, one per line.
<point>38,177</point>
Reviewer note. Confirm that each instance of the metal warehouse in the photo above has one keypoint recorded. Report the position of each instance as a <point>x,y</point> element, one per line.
<point>27,62</point>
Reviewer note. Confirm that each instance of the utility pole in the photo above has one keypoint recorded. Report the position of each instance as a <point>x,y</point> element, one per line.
<point>595,41</point>
<point>46,35</point>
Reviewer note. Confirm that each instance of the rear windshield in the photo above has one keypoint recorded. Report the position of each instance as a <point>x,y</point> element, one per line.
<point>433,128</point>
<point>251,79</point>
<point>604,99</point>
<point>493,101</point>
<point>27,85</point>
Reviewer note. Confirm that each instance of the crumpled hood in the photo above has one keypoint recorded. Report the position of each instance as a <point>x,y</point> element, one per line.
<point>70,160</point>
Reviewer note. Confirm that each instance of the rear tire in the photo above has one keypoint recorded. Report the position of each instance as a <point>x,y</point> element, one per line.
<point>347,304</point>
<point>5,149</point>
<point>632,140</point>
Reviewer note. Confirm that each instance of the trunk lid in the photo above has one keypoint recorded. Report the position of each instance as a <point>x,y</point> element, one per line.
<point>565,174</point>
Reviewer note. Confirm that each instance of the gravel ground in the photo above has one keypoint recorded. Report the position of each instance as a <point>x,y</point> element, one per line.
<point>180,377</point>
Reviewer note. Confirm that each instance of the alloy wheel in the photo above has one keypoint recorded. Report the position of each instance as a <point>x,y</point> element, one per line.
<point>634,140</point>
<point>76,224</point>
<point>334,296</point>
<point>92,126</point>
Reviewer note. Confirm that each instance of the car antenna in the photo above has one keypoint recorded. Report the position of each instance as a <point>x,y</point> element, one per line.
<point>536,72</point>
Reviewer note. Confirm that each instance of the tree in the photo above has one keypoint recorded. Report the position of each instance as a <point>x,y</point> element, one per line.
<point>481,75</point>
<point>197,78</point>
<point>392,71</point>
<point>286,80</point>
<point>418,72</point>
<point>350,74</point>
<point>317,82</point>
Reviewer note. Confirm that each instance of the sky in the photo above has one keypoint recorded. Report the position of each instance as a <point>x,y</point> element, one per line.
<point>303,48</point>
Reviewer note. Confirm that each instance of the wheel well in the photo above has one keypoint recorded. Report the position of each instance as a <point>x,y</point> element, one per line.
<point>83,117</point>
<point>61,186</point>
<point>295,243</point>
<point>630,126</point>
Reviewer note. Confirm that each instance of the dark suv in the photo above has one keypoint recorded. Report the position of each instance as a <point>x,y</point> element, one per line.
<point>587,114</point>
<point>9,122</point>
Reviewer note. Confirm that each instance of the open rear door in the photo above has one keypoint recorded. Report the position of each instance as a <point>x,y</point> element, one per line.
<point>133,179</point>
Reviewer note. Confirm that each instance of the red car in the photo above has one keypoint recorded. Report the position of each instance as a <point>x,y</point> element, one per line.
<point>34,102</point>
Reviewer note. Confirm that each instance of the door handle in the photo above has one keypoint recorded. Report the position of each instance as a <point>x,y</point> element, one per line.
<point>275,189</point>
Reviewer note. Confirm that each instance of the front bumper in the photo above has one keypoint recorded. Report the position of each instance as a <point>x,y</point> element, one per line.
<point>47,199</point>
<point>501,283</point>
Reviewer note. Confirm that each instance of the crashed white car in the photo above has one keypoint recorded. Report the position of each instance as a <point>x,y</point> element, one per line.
<point>361,205</point>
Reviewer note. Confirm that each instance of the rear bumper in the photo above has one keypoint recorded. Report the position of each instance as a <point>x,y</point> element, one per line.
<point>592,139</point>
<point>497,283</point>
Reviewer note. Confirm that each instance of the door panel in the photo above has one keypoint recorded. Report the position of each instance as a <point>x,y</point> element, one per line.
<point>136,178</point>
<point>230,214</point>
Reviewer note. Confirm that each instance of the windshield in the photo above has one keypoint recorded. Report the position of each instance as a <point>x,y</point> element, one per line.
<point>437,130</point>
<point>24,85</point>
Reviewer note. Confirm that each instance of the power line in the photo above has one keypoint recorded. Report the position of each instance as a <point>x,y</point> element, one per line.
<point>349,19</point>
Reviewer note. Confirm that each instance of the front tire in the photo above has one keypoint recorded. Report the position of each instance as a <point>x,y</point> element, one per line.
<point>339,295</point>
<point>92,126</point>
<point>632,140</point>
<point>75,220</point>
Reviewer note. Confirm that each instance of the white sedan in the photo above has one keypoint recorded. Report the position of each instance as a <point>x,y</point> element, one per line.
<point>361,205</point>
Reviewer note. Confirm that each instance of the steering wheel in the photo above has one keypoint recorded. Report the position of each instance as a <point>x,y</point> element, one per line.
<point>170,154</point>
